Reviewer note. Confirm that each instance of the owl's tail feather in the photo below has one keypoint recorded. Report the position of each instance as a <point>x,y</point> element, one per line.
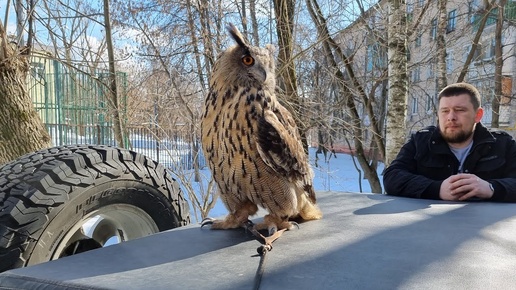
<point>308,210</point>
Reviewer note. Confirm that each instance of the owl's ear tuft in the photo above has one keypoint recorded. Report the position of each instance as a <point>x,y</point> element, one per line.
<point>237,36</point>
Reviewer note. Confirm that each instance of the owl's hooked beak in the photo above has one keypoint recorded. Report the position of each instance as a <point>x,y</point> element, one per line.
<point>259,74</point>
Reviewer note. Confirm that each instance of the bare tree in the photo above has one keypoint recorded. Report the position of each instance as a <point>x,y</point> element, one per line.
<point>441,43</point>
<point>398,85</point>
<point>66,26</point>
<point>286,72</point>
<point>21,129</point>
<point>182,52</point>
<point>112,92</point>
<point>498,65</point>
<point>348,85</point>
<point>254,23</point>
<point>475,45</point>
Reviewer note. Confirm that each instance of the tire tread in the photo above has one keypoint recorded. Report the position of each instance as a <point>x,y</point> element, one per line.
<point>37,183</point>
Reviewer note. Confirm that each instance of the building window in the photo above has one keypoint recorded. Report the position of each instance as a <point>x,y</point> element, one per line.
<point>410,6</point>
<point>510,10</point>
<point>489,51</point>
<point>493,48</point>
<point>452,21</point>
<point>374,20</point>
<point>410,11</point>
<point>431,71</point>
<point>429,104</point>
<point>370,58</point>
<point>433,29</point>
<point>376,58</point>
<point>420,3</point>
<point>491,19</point>
<point>467,50</point>
<point>416,75</point>
<point>449,62</point>
<point>418,40</point>
<point>478,52</point>
<point>414,108</point>
<point>473,8</point>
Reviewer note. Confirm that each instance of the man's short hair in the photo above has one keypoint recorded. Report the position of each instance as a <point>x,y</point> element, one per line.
<point>461,88</point>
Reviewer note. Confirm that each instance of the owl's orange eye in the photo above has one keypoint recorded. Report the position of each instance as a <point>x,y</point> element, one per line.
<point>248,60</point>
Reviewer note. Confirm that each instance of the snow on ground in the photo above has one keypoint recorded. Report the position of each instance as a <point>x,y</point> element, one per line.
<point>338,174</point>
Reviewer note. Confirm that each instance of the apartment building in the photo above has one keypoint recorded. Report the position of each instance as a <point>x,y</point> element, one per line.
<point>369,50</point>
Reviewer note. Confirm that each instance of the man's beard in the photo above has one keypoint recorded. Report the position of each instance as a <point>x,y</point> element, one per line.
<point>458,137</point>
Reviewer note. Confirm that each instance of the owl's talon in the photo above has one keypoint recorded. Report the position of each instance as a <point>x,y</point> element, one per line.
<point>207,221</point>
<point>251,227</point>
<point>293,224</point>
<point>262,122</point>
<point>248,225</point>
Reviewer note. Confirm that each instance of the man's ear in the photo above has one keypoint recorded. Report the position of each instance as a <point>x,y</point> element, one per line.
<point>479,115</point>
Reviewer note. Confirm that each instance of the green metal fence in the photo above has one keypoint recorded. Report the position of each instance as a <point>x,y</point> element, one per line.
<point>74,107</point>
<point>72,103</point>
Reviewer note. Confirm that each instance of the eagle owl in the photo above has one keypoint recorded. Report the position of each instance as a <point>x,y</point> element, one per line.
<point>252,144</point>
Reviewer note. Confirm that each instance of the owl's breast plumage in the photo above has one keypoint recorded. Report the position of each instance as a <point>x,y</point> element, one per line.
<point>230,137</point>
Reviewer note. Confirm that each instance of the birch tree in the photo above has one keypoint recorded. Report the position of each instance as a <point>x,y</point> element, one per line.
<point>475,44</point>
<point>498,65</point>
<point>286,72</point>
<point>348,85</point>
<point>441,44</point>
<point>398,85</point>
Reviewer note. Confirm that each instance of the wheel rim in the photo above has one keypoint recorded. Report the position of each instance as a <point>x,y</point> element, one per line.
<point>108,225</point>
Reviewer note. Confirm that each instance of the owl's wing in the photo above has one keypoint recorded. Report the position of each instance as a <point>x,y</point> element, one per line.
<point>279,143</point>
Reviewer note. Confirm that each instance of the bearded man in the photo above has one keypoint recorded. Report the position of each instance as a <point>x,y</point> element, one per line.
<point>460,159</point>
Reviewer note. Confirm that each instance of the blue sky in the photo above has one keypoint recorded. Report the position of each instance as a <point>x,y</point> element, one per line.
<point>11,24</point>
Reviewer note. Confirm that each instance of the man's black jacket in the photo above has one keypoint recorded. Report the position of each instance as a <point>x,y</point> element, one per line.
<point>426,160</point>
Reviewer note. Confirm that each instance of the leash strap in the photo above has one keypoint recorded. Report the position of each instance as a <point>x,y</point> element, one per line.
<point>262,250</point>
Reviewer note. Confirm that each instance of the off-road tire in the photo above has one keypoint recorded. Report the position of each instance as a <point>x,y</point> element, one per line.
<point>45,193</point>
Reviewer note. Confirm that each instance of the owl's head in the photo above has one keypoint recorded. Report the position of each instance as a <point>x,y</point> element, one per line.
<point>245,65</point>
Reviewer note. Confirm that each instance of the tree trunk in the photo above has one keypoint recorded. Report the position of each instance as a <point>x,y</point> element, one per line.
<point>495,121</point>
<point>197,55</point>
<point>243,16</point>
<point>254,22</point>
<point>21,129</point>
<point>441,44</point>
<point>475,43</point>
<point>398,85</point>
<point>356,129</point>
<point>286,71</point>
<point>113,92</point>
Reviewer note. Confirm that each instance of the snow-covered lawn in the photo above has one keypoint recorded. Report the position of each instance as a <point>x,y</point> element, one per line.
<point>338,174</point>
